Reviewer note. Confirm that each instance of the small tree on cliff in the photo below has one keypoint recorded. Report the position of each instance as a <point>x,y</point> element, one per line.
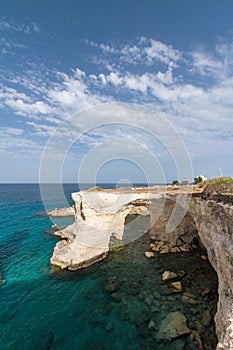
<point>175,182</point>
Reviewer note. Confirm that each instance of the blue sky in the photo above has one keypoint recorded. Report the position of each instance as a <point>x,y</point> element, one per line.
<point>174,58</point>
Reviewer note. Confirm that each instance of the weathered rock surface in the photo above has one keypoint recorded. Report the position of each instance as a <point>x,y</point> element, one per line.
<point>101,214</point>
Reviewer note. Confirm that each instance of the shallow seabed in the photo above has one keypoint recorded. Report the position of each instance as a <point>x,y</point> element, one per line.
<point>108,306</point>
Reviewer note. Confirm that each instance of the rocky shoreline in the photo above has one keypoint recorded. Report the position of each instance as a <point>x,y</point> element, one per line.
<point>99,215</point>
<point>171,309</point>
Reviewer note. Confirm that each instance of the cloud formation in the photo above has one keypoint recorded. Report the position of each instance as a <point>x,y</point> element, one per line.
<point>192,89</point>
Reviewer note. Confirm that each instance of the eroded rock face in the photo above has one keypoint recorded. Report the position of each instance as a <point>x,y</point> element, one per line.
<point>97,217</point>
<point>183,233</point>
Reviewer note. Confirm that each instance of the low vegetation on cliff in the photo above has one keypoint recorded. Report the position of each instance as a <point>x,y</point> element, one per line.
<point>222,186</point>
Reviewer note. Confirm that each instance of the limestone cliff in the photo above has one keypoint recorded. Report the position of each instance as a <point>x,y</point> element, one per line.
<point>214,222</point>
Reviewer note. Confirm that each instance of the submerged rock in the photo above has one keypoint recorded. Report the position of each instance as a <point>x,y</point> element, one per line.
<point>2,281</point>
<point>109,327</point>
<point>206,318</point>
<point>151,324</point>
<point>188,298</point>
<point>173,326</point>
<point>196,339</point>
<point>111,285</point>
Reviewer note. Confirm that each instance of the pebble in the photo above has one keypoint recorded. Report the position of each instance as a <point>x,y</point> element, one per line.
<point>204,257</point>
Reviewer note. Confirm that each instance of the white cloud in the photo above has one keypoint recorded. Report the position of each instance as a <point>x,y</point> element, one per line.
<point>12,25</point>
<point>162,52</point>
<point>42,130</point>
<point>205,64</point>
<point>73,93</point>
<point>146,72</point>
<point>11,131</point>
<point>16,142</point>
<point>144,51</point>
<point>31,110</point>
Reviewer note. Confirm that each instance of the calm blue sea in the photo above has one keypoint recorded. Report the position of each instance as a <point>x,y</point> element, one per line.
<point>107,306</point>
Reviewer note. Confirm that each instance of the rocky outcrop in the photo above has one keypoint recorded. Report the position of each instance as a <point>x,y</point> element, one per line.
<point>176,221</point>
<point>98,216</point>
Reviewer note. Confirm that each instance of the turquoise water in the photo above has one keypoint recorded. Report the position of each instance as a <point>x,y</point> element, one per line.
<point>107,306</point>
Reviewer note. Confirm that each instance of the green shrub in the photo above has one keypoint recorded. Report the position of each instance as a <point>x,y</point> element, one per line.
<point>175,182</point>
<point>198,180</point>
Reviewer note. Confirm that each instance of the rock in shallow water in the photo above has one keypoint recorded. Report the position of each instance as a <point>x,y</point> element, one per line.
<point>149,254</point>
<point>151,324</point>
<point>206,318</point>
<point>177,286</point>
<point>173,326</point>
<point>111,285</point>
<point>168,275</point>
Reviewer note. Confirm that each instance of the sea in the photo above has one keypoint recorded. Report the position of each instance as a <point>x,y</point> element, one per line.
<point>119,303</point>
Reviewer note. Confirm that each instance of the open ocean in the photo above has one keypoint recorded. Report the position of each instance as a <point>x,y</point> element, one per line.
<point>117,304</point>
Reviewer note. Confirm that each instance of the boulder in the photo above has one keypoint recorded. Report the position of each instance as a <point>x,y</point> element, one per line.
<point>173,326</point>
<point>177,286</point>
<point>168,275</point>
<point>149,254</point>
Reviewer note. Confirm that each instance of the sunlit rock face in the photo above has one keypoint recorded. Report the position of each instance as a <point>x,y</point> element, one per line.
<point>98,216</point>
<point>101,214</point>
